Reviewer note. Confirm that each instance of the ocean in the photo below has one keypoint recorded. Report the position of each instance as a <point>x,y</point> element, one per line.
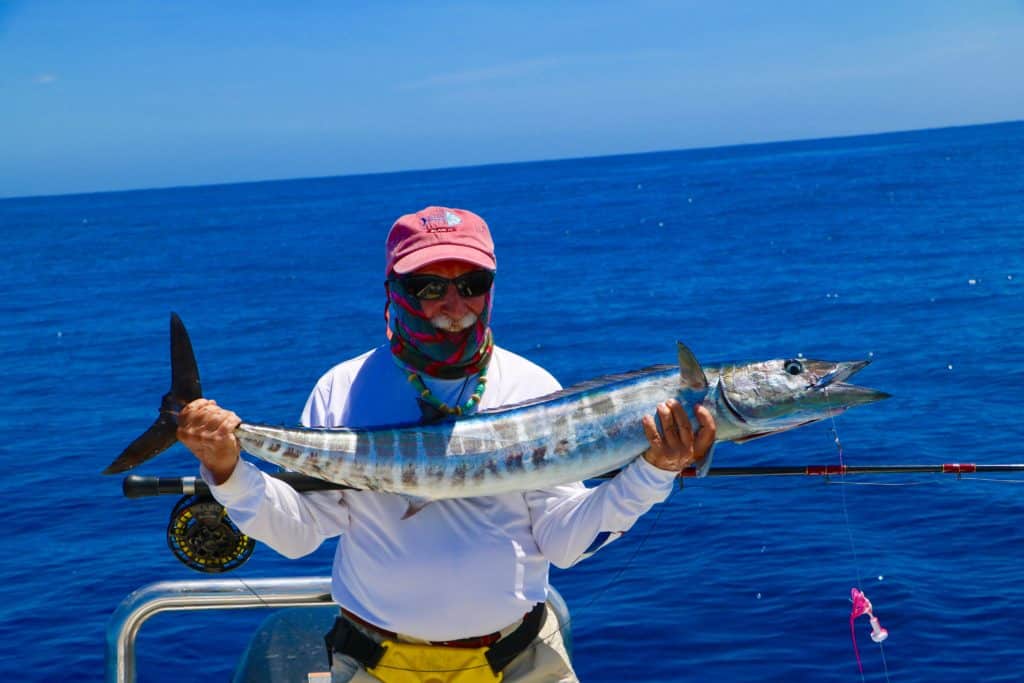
<point>905,248</point>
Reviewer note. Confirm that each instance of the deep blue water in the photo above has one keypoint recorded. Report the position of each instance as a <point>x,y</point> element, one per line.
<point>907,248</point>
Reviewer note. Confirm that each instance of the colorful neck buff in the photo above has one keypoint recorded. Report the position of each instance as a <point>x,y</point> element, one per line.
<point>419,347</point>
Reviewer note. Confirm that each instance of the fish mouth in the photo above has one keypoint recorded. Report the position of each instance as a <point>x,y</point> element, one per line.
<point>853,395</point>
<point>841,372</point>
<point>834,384</point>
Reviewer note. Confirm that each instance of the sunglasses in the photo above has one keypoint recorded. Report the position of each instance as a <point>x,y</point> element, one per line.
<point>434,287</point>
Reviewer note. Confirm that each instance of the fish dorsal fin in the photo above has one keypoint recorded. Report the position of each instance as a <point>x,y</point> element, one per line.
<point>690,371</point>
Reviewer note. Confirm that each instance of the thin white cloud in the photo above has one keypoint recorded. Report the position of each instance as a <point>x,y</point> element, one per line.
<point>523,68</point>
<point>498,72</point>
<point>46,79</point>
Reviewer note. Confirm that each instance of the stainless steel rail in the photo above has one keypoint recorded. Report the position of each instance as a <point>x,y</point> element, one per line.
<point>171,596</point>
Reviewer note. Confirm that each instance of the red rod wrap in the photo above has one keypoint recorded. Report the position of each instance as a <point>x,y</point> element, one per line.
<point>825,469</point>
<point>959,468</point>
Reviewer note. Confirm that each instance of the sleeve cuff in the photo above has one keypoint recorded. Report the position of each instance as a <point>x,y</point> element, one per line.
<point>649,482</point>
<point>243,483</point>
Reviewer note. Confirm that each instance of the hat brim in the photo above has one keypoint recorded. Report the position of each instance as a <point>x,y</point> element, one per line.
<point>443,252</point>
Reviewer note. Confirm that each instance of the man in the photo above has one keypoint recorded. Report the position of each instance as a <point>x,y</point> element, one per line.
<point>459,573</point>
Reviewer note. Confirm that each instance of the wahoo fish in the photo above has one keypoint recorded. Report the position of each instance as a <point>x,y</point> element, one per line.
<point>578,433</point>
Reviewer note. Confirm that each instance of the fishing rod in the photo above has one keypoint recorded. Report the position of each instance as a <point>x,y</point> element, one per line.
<point>203,537</point>
<point>840,470</point>
<point>136,486</point>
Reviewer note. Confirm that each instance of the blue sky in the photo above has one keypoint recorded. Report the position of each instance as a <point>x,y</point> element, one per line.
<point>131,94</point>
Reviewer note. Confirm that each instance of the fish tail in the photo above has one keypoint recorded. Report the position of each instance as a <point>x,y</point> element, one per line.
<point>185,388</point>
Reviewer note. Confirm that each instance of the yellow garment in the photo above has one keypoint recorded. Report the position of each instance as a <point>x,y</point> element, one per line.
<point>415,663</point>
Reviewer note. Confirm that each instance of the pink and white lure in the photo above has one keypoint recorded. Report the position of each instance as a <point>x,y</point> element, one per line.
<point>861,606</point>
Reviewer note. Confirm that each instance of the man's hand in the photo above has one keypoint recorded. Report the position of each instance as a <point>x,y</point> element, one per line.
<point>208,431</point>
<point>680,447</point>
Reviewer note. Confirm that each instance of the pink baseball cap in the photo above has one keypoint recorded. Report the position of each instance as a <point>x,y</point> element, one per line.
<point>438,234</point>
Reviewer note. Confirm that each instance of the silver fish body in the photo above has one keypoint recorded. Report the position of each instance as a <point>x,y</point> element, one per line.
<point>555,440</point>
<point>572,435</point>
<point>576,434</point>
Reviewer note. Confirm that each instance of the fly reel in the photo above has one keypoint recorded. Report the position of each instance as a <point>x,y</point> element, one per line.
<point>203,537</point>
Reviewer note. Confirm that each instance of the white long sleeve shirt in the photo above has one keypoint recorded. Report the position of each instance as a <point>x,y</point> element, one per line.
<point>459,567</point>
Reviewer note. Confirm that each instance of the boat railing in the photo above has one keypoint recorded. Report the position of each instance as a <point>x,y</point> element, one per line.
<point>202,594</point>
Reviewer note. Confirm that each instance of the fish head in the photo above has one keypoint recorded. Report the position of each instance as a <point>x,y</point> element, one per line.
<point>772,396</point>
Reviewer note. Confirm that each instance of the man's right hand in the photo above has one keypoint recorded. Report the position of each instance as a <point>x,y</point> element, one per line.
<point>208,431</point>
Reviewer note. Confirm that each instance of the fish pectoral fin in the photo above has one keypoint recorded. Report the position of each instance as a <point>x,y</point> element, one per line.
<point>690,371</point>
<point>758,435</point>
<point>751,437</point>
<point>415,504</point>
<point>705,464</point>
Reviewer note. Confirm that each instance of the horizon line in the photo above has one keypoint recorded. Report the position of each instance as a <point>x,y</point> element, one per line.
<point>492,164</point>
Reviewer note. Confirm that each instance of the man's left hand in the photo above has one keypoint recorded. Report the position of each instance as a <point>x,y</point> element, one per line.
<point>680,447</point>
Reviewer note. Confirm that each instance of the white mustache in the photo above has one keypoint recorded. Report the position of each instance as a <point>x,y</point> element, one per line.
<point>450,324</point>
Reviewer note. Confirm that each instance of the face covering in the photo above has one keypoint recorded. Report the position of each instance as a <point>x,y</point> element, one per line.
<point>421,348</point>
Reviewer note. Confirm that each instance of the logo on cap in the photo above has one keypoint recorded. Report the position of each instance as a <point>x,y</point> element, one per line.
<point>440,222</point>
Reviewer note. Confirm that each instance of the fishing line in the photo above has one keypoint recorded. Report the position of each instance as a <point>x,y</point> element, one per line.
<point>636,551</point>
<point>618,574</point>
<point>595,597</point>
<point>853,549</point>
<point>844,482</point>
<point>996,481</point>
<point>881,483</point>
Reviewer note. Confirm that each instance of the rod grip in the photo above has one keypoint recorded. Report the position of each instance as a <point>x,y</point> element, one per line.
<point>136,486</point>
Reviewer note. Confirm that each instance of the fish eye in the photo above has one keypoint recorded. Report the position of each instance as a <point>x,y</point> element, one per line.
<point>793,366</point>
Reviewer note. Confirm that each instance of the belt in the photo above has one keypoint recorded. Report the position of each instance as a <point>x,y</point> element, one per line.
<point>471,642</point>
<point>345,639</point>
